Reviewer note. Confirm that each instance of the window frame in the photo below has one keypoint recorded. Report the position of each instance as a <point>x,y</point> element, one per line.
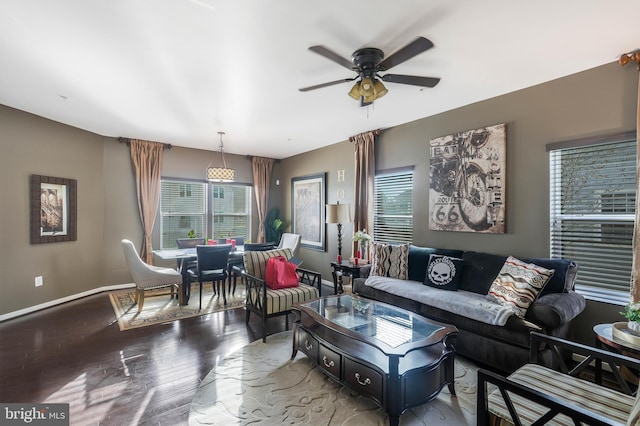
<point>209,216</point>
<point>615,248</point>
<point>393,234</point>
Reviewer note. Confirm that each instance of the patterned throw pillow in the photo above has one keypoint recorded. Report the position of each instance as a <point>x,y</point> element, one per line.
<point>390,260</point>
<point>518,284</point>
<point>443,272</point>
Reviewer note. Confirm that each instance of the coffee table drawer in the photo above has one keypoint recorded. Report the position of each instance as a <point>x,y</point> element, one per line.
<point>329,361</point>
<point>363,379</point>
<point>308,344</point>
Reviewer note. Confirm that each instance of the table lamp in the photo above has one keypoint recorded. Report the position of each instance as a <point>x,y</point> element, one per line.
<point>339,214</point>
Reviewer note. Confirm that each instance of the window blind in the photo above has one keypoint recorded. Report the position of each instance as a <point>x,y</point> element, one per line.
<point>231,205</point>
<point>183,207</point>
<point>592,206</point>
<point>393,207</point>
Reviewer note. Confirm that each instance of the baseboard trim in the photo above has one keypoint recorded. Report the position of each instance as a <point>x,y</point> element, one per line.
<point>62,300</point>
<point>31,309</point>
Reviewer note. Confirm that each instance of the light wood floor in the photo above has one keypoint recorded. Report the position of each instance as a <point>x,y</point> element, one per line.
<point>75,353</point>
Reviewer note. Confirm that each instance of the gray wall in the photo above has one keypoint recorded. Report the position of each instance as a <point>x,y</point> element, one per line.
<point>595,102</point>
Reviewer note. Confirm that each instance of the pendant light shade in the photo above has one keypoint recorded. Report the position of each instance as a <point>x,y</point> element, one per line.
<point>222,173</point>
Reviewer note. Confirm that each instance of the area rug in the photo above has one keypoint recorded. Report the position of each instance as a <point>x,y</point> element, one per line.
<point>260,384</point>
<point>163,309</point>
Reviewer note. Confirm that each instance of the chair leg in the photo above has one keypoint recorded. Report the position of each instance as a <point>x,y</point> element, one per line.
<point>200,307</point>
<point>224,292</point>
<point>140,300</point>
<point>179,290</point>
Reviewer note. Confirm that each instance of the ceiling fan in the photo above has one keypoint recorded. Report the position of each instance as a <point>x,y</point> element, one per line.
<point>368,62</point>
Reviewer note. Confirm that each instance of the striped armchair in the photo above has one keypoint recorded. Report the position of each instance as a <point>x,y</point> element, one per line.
<point>268,303</point>
<point>534,393</point>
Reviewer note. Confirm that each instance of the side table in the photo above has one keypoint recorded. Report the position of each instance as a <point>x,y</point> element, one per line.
<point>605,338</point>
<point>343,268</point>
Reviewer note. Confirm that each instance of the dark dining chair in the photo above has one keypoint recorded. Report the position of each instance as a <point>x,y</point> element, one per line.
<point>237,267</point>
<point>184,243</point>
<point>185,264</point>
<point>212,266</point>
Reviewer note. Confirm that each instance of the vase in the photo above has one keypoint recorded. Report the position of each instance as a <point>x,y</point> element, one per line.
<point>634,328</point>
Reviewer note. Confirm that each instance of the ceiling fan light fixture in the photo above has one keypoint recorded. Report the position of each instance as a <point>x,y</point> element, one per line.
<point>223,173</point>
<point>379,89</point>
<point>355,91</point>
<point>366,88</point>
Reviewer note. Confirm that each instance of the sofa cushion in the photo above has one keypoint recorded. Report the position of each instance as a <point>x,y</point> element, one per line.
<point>444,272</point>
<point>419,260</point>
<point>480,269</point>
<point>518,284</point>
<point>563,280</point>
<point>390,260</point>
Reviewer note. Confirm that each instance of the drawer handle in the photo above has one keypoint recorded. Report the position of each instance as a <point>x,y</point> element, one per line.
<point>327,364</point>
<point>366,382</point>
<point>307,345</point>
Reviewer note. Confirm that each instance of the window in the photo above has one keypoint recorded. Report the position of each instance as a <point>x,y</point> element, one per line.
<point>592,204</point>
<point>184,206</point>
<point>393,206</point>
<point>231,209</point>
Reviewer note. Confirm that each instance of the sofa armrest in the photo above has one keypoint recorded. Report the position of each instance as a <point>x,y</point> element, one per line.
<point>365,271</point>
<point>556,309</point>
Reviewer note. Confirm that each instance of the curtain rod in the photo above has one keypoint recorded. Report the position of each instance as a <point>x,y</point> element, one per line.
<point>250,157</point>
<point>127,141</point>
<point>375,133</point>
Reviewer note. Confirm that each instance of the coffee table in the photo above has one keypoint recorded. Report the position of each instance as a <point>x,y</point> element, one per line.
<point>395,357</point>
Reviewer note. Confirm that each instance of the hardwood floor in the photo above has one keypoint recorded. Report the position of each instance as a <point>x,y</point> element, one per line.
<point>75,353</point>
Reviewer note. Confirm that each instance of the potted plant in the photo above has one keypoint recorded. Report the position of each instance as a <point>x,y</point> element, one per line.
<point>632,314</point>
<point>274,226</point>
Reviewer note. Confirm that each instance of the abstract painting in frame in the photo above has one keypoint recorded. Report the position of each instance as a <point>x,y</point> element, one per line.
<point>467,181</point>
<point>53,209</point>
<point>307,210</point>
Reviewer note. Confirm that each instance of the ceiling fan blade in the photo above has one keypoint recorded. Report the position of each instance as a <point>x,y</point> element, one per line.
<point>331,83</point>
<point>321,50</point>
<point>411,79</point>
<point>418,45</point>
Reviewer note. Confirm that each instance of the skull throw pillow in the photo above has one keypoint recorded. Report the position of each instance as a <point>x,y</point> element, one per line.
<point>444,272</point>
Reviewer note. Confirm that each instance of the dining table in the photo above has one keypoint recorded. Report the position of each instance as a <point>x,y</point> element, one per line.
<point>183,256</point>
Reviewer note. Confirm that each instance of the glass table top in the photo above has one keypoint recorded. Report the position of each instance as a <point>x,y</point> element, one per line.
<point>385,323</point>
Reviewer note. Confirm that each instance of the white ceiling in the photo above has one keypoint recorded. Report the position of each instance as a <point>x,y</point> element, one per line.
<point>179,71</point>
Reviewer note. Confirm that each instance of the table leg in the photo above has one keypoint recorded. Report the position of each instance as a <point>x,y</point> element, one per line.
<point>598,378</point>
<point>334,274</point>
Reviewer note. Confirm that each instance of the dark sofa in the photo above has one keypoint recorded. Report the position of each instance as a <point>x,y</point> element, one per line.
<point>501,347</point>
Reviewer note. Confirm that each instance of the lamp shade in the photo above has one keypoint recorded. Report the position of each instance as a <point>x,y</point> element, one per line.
<point>366,88</point>
<point>338,213</point>
<point>379,89</point>
<point>355,91</point>
<point>220,174</point>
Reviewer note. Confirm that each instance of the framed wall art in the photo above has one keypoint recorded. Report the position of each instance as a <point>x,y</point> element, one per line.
<point>53,209</point>
<point>467,181</point>
<point>307,205</point>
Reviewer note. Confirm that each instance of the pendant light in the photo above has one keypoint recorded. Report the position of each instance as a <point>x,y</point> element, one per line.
<point>223,173</point>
